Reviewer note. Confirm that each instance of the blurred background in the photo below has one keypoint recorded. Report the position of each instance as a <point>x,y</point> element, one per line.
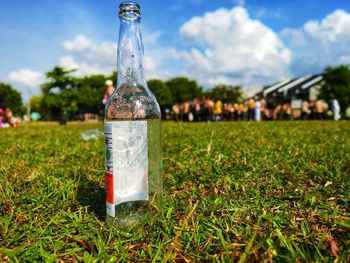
<point>56,56</point>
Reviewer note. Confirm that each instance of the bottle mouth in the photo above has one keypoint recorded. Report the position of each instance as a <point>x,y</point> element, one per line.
<point>129,11</point>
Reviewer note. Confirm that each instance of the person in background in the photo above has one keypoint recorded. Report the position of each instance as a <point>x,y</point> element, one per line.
<point>218,110</point>
<point>319,109</point>
<point>1,117</point>
<point>109,89</point>
<point>2,111</point>
<point>191,113</point>
<point>251,105</point>
<point>241,110</point>
<point>325,109</point>
<point>335,109</point>
<point>267,114</point>
<point>287,111</point>
<point>230,109</point>
<point>7,119</point>
<point>312,109</point>
<point>257,110</point>
<point>278,112</point>
<point>305,110</point>
<point>196,109</point>
<point>264,113</point>
<point>210,109</point>
<point>181,107</point>
<point>203,105</point>
<point>186,110</point>
<point>236,111</point>
<point>176,111</point>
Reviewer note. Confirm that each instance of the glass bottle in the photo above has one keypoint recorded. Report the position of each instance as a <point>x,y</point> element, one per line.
<point>132,133</point>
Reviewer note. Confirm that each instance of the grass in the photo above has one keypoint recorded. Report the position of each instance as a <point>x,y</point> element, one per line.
<point>276,191</point>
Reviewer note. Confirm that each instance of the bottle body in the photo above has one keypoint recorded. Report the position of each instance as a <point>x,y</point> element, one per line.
<point>133,134</point>
<point>137,198</point>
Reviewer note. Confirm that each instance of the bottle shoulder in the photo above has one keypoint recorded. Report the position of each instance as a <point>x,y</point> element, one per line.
<point>132,102</point>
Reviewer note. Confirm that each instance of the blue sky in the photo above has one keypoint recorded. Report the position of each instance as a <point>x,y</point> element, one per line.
<point>252,43</point>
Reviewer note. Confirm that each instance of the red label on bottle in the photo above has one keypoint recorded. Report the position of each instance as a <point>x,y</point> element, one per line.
<point>109,190</point>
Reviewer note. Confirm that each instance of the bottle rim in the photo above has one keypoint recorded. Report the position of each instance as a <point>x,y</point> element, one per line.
<point>132,9</point>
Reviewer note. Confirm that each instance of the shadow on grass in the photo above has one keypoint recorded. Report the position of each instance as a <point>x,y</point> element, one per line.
<point>91,194</point>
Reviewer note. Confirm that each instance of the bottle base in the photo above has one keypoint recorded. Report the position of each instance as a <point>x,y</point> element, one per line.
<point>130,214</point>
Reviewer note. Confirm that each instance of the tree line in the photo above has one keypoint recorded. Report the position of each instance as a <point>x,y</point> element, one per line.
<point>64,92</point>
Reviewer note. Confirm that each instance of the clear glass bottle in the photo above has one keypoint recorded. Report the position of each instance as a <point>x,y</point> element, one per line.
<point>133,133</point>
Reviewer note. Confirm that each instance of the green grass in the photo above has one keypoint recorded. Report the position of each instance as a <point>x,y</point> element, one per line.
<point>276,191</point>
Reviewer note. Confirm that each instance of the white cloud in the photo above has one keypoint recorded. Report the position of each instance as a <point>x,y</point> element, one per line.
<point>227,46</point>
<point>345,59</point>
<point>159,59</point>
<point>320,43</point>
<point>85,67</point>
<point>69,62</point>
<point>80,43</point>
<point>88,56</point>
<point>92,57</point>
<point>27,77</point>
<point>230,46</point>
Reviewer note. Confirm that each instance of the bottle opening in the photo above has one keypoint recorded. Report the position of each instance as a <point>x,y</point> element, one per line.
<point>129,11</point>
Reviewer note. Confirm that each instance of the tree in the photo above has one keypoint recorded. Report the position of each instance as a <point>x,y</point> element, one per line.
<point>226,93</point>
<point>161,91</point>
<point>337,83</point>
<point>163,94</point>
<point>183,89</point>
<point>35,103</point>
<point>90,91</point>
<point>65,93</point>
<point>60,93</point>
<point>11,98</point>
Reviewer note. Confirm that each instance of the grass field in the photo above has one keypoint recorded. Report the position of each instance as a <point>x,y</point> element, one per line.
<point>276,191</point>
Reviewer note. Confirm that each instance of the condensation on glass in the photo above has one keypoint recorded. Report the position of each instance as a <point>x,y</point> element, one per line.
<point>133,133</point>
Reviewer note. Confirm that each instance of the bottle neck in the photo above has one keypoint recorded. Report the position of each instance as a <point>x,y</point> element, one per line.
<point>130,54</point>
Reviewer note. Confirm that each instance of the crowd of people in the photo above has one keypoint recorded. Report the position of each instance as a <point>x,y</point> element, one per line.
<point>207,110</point>
<point>256,109</point>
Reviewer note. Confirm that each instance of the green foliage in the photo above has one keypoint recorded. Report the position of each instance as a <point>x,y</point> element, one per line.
<point>161,91</point>
<point>183,89</point>
<point>10,97</point>
<point>337,83</point>
<point>60,93</point>
<point>90,91</point>
<point>35,103</point>
<point>226,93</point>
<point>233,192</point>
<point>66,93</point>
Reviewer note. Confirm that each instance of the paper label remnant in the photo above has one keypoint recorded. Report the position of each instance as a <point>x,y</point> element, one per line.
<point>126,162</point>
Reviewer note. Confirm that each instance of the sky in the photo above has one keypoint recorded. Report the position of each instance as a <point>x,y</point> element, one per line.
<point>239,42</point>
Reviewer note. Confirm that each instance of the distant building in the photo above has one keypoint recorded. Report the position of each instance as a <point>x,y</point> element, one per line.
<point>302,88</point>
